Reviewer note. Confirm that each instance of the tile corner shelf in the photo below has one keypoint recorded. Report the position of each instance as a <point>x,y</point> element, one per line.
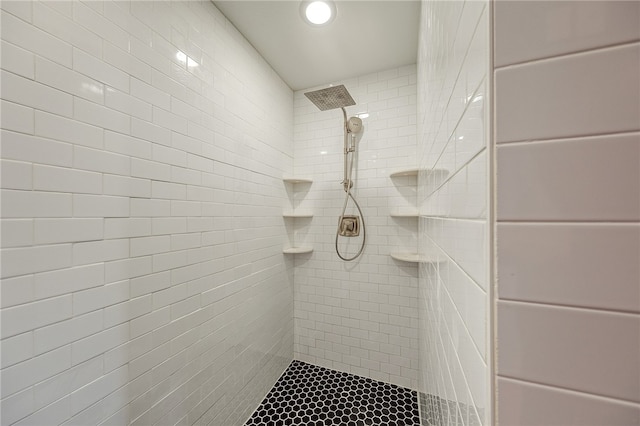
<point>297,180</point>
<point>414,172</point>
<point>292,215</point>
<point>407,212</point>
<point>297,214</point>
<point>408,172</point>
<point>297,250</point>
<point>416,258</point>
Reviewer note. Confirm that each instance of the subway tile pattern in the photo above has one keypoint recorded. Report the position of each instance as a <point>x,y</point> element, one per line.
<point>568,326</point>
<point>143,146</point>
<point>308,395</point>
<point>453,289</point>
<point>358,317</point>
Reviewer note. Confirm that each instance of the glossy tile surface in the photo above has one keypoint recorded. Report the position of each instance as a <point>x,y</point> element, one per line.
<point>359,317</point>
<point>522,402</point>
<point>589,265</point>
<point>584,350</point>
<point>307,394</point>
<point>128,294</point>
<point>581,179</point>
<point>568,210</point>
<point>453,300</point>
<point>582,94</point>
<point>528,30</point>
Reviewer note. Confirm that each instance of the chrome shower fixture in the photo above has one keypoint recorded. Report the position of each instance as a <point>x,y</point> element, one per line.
<point>338,97</point>
<point>354,125</point>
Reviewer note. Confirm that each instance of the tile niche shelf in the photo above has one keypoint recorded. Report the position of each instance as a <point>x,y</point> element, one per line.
<point>292,215</point>
<point>413,257</point>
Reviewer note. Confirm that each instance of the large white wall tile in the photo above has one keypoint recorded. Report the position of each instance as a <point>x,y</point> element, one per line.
<point>528,30</point>
<point>33,39</point>
<point>590,265</point>
<point>585,350</point>
<point>575,95</point>
<point>521,402</point>
<point>594,178</point>
<point>34,94</point>
<point>18,61</point>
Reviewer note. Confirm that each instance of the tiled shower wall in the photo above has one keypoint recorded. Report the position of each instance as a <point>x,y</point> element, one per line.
<point>360,316</point>
<point>568,210</point>
<point>452,199</point>
<point>143,280</point>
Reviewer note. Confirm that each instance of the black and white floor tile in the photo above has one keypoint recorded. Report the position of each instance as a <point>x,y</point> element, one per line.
<point>311,395</point>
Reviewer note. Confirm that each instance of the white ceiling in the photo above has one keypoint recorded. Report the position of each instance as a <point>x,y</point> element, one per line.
<point>366,36</point>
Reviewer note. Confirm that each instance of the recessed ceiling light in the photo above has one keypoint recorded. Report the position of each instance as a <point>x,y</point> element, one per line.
<point>318,12</point>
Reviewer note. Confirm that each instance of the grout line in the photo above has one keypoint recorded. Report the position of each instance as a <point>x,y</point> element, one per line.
<point>456,219</point>
<point>560,56</point>
<point>460,169</point>
<point>561,306</point>
<point>573,391</point>
<point>568,138</point>
<point>567,222</point>
<point>453,261</point>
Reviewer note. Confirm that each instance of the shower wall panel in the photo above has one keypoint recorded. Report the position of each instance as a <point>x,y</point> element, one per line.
<point>568,212</point>
<point>143,279</point>
<point>361,316</point>
<point>453,190</point>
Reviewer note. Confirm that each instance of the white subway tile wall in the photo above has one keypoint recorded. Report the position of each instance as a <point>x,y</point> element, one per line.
<point>568,232</point>
<point>359,317</point>
<point>143,146</point>
<point>453,193</point>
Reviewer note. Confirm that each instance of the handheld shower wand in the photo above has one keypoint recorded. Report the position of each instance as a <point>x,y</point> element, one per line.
<point>351,127</point>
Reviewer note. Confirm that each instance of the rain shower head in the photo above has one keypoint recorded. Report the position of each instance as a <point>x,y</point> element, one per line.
<point>331,98</point>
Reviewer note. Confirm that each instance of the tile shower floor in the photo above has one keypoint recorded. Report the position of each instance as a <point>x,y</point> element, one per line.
<point>311,395</point>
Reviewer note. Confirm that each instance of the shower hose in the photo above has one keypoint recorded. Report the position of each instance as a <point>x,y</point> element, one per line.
<point>344,207</point>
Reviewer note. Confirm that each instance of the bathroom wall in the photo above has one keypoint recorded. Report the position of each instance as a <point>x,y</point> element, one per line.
<point>360,316</point>
<point>453,189</point>
<point>143,279</point>
<point>568,208</point>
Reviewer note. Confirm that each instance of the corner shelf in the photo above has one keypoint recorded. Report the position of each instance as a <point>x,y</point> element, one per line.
<point>297,250</point>
<point>401,173</point>
<point>296,215</point>
<point>416,258</point>
<point>414,172</point>
<point>412,257</point>
<point>297,180</point>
